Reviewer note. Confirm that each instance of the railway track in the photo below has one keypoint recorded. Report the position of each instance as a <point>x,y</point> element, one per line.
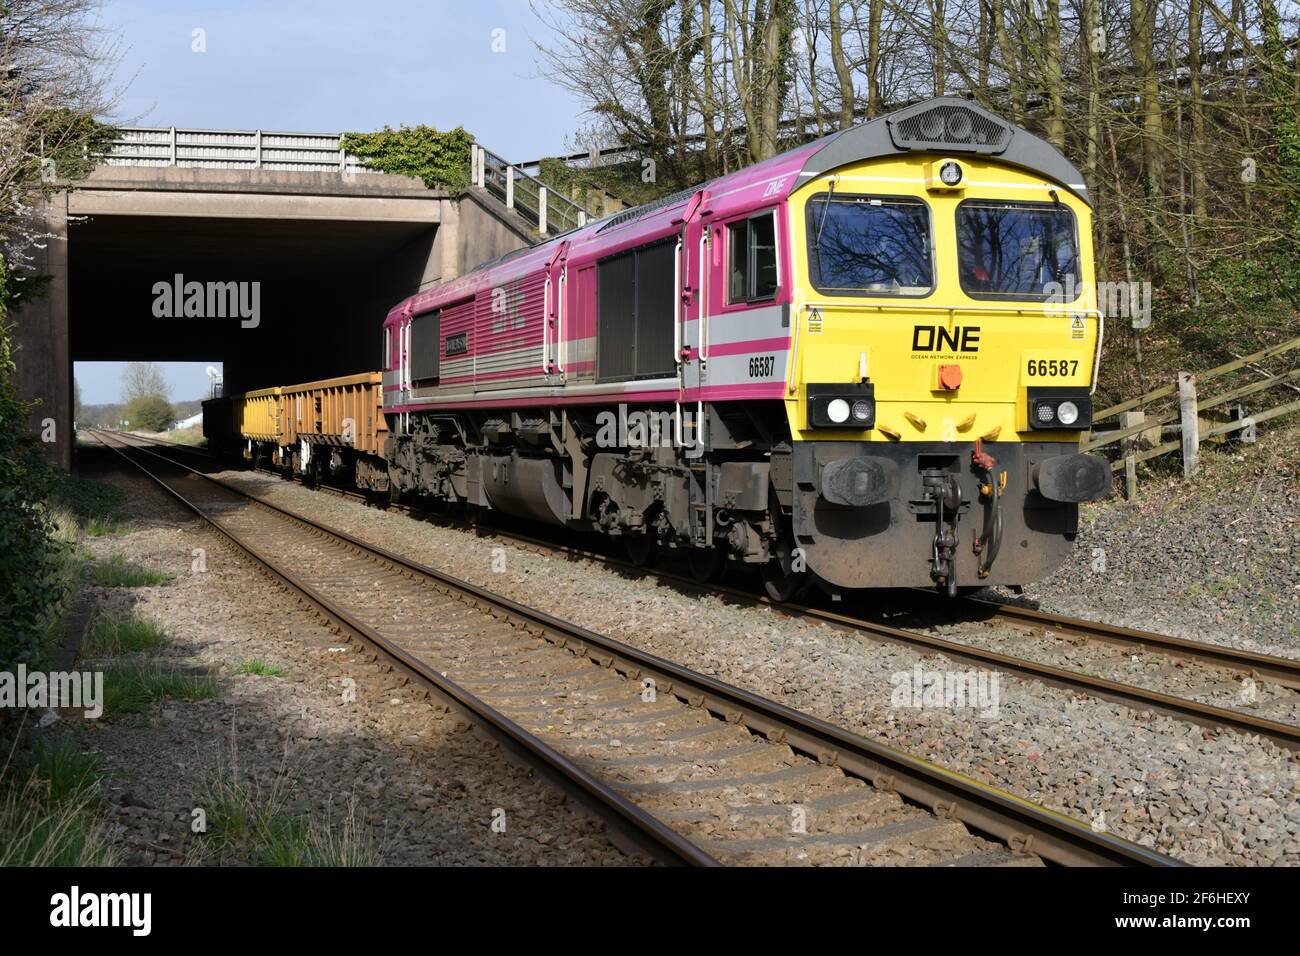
<point>1282,672</point>
<point>681,766</point>
<point>1008,656</point>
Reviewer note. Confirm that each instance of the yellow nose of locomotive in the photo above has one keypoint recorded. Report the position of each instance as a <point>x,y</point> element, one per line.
<point>963,283</point>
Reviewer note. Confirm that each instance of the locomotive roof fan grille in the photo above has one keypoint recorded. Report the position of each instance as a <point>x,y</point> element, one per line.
<point>636,212</point>
<point>948,127</point>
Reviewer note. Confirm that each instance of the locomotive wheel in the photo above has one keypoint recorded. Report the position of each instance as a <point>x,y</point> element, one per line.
<point>780,580</point>
<point>782,586</point>
<point>781,583</point>
<point>640,549</point>
<point>706,564</point>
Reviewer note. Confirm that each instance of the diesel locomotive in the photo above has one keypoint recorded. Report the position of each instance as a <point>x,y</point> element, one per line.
<point>863,363</point>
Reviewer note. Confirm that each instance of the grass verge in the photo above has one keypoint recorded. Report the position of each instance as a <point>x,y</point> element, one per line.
<point>130,688</point>
<point>50,809</point>
<point>123,634</point>
<point>260,668</point>
<point>117,572</point>
<point>250,825</point>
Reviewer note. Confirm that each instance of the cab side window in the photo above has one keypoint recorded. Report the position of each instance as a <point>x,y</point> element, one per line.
<point>752,260</point>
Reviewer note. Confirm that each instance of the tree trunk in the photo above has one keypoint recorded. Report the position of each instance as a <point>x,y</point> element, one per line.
<point>1148,83</point>
<point>1014,87</point>
<point>1195,15</point>
<point>710,166</point>
<point>1052,73</point>
<point>841,65</point>
<point>873,57</point>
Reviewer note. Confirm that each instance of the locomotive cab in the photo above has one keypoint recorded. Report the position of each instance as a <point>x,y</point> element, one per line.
<point>948,277</point>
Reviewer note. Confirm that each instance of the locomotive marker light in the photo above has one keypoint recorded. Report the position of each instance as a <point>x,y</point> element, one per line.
<point>945,175</point>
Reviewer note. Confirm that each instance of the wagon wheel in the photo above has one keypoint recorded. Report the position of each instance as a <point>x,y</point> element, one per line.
<point>706,564</point>
<point>640,549</point>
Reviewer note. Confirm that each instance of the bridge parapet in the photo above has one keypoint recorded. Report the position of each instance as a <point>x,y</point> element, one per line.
<point>231,149</point>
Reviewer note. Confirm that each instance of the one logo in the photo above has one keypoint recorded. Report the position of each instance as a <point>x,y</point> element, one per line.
<point>936,338</point>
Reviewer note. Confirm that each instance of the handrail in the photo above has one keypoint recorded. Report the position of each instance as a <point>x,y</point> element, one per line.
<point>551,212</point>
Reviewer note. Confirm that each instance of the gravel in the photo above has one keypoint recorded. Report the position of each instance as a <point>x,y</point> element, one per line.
<point>1216,559</point>
<point>1203,797</point>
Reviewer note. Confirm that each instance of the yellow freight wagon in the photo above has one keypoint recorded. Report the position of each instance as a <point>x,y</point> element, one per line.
<point>258,415</point>
<point>332,426</point>
<point>343,412</point>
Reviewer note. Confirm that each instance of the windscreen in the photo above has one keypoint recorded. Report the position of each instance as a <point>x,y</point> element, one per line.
<point>1014,250</point>
<point>867,245</point>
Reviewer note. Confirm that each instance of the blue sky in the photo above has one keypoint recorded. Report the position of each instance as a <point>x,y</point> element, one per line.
<point>333,66</point>
<point>101,382</point>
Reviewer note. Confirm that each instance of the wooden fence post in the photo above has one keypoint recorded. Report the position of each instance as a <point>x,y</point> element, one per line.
<point>1190,425</point>
<point>1127,420</point>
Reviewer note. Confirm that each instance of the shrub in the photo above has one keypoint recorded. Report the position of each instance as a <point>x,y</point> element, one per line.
<point>32,582</point>
<point>440,160</point>
<point>149,412</point>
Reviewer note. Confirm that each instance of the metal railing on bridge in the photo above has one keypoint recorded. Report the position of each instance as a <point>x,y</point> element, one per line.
<point>549,211</point>
<point>230,149</point>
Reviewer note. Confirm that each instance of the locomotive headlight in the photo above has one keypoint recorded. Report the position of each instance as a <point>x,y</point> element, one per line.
<point>944,175</point>
<point>1059,407</point>
<point>840,405</point>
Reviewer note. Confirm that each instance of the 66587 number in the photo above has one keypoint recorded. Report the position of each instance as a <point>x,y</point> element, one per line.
<point>1051,368</point>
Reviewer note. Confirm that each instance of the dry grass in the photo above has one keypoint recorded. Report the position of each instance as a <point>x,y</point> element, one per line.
<point>49,810</point>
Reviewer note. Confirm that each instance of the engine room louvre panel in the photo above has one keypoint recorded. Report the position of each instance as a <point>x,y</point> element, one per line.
<point>654,311</point>
<point>425,346</point>
<point>616,318</point>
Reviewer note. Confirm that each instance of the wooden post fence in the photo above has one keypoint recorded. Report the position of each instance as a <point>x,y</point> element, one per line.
<point>1178,415</point>
<point>1187,412</point>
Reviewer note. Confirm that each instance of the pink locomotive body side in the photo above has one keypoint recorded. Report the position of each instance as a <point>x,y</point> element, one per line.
<point>522,331</point>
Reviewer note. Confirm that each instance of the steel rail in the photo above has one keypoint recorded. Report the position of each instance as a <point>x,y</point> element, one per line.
<point>1021,824</point>
<point>1276,669</point>
<point>637,827</point>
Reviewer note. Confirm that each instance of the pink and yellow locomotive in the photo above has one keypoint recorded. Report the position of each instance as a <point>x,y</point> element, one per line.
<point>863,363</point>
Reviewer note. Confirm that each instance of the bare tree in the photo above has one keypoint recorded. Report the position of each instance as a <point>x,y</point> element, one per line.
<point>143,380</point>
<point>55,64</point>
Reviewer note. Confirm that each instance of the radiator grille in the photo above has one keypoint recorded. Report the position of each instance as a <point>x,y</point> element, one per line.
<point>947,127</point>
